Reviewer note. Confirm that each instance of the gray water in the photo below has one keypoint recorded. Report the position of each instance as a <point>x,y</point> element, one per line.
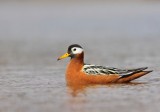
<point>118,34</point>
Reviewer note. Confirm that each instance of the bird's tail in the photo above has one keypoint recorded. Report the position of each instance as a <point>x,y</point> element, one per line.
<point>133,76</point>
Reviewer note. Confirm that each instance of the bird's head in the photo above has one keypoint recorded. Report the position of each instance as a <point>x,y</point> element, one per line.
<point>74,51</point>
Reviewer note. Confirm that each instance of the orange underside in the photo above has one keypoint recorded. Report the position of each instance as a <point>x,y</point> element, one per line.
<point>74,75</point>
<point>81,78</point>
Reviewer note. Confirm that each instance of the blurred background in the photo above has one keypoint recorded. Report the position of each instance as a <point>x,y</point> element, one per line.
<point>34,33</point>
<point>37,30</point>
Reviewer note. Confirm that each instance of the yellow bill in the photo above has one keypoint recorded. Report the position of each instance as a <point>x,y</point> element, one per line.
<point>64,56</point>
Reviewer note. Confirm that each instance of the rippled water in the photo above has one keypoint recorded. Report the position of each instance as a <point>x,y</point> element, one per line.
<point>34,35</point>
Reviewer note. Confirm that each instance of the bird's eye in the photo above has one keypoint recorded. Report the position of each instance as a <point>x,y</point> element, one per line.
<point>74,49</point>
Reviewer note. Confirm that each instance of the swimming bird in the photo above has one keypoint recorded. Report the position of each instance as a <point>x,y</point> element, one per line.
<point>78,72</point>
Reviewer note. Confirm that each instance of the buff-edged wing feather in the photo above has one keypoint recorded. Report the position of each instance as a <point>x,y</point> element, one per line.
<point>101,70</point>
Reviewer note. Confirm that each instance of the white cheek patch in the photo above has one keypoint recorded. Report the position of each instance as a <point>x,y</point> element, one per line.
<point>77,51</point>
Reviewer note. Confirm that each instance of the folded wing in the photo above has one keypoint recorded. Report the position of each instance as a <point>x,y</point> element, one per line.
<point>101,70</point>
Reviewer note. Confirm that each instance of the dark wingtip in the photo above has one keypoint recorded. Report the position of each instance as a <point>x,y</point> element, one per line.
<point>149,71</point>
<point>143,68</point>
<point>140,69</point>
<point>133,76</point>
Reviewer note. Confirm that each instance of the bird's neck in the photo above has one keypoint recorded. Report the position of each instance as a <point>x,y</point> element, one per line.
<point>76,63</point>
<point>74,67</point>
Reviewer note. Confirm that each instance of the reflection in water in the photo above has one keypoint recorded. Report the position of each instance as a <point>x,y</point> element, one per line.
<point>88,97</point>
<point>76,90</point>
